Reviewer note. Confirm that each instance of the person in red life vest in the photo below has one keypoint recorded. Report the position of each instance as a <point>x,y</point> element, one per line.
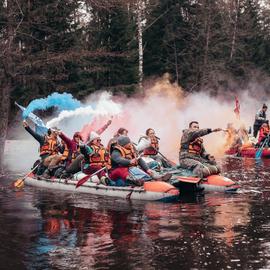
<point>128,166</point>
<point>113,141</point>
<point>95,158</point>
<point>192,155</point>
<point>49,148</point>
<point>263,134</point>
<point>153,150</point>
<point>260,118</point>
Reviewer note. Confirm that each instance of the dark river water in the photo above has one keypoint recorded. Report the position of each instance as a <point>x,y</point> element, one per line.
<point>43,229</point>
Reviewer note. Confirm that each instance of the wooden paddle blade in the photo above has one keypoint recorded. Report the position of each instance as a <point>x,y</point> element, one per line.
<point>19,183</point>
<point>82,181</point>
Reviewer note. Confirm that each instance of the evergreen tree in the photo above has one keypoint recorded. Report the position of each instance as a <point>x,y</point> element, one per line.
<point>113,32</point>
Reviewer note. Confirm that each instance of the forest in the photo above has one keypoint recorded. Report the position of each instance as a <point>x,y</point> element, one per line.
<point>83,46</point>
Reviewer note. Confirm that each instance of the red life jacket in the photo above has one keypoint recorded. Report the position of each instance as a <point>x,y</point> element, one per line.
<point>195,147</point>
<point>264,131</point>
<point>100,157</point>
<point>127,153</point>
<point>49,147</point>
<point>153,148</point>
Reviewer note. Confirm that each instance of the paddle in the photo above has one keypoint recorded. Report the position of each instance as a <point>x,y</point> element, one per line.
<point>84,179</point>
<point>19,183</point>
<point>169,161</point>
<point>259,152</point>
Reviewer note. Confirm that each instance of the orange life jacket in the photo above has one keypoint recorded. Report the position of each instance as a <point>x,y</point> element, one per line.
<point>195,147</point>
<point>127,153</point>
<point>153,148</point>
<point>66,153</point>
<point>100,157</point>
<point>49,147</point>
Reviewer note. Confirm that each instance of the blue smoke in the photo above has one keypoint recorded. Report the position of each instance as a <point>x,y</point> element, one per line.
<point>63,101</point>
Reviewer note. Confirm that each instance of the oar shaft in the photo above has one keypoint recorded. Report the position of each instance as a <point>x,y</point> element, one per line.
<point>31,171</point>
<point>84,179</point>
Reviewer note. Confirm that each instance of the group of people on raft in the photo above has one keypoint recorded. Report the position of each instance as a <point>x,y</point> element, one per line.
<point>236,139</point>
<point>121,160</point>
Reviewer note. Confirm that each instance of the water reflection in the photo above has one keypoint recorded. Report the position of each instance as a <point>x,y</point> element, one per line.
<point>55,230</point>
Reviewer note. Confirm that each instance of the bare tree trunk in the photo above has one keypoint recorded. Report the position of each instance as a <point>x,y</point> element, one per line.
<point>4,113</point>
<point>207,41</point>
<point>234,29</point>
<point>176,63</point>
<point>5,79</point>
<point>140,40</point>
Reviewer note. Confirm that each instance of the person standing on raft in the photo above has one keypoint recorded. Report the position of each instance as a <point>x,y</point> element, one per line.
<point>260,118</point>
<point>192,155</point>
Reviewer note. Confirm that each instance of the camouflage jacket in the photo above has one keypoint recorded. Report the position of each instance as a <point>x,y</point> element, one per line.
<point>188,137</point>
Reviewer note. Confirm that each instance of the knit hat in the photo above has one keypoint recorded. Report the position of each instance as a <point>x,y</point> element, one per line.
<point>123,140</point>
<point>93,136</point>
<point>77,134</point>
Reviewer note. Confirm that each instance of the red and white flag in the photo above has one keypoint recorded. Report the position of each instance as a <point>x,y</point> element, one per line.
<point>237,108</point>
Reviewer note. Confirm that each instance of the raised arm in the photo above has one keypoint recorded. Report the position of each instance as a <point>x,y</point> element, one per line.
<point>37,136</point>
<point>102,129</point>
<point>66,139</point>
<point>194,134</point>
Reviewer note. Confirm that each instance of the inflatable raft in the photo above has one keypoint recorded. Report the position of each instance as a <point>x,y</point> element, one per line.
<point>213,183</point>
<point>150,191</point>
<point>186,181</point>
<point>249,152</point>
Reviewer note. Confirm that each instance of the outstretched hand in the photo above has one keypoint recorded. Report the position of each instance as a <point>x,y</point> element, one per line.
<point>216,129</point>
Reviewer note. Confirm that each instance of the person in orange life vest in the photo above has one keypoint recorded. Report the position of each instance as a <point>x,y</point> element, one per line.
<point>113,141</point>
<point>153,150</point>
<point>192,155</point>
<point>76,164</point>
<point>48,150</point>
<point>126,165</point>
<point>263,133</point>
<point>72,146</point>
<point>95,157</point>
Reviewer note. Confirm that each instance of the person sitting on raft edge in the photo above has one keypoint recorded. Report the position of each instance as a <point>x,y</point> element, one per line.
<point>260,118</point>
<point>128,166</point>
<point>192,155</point>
